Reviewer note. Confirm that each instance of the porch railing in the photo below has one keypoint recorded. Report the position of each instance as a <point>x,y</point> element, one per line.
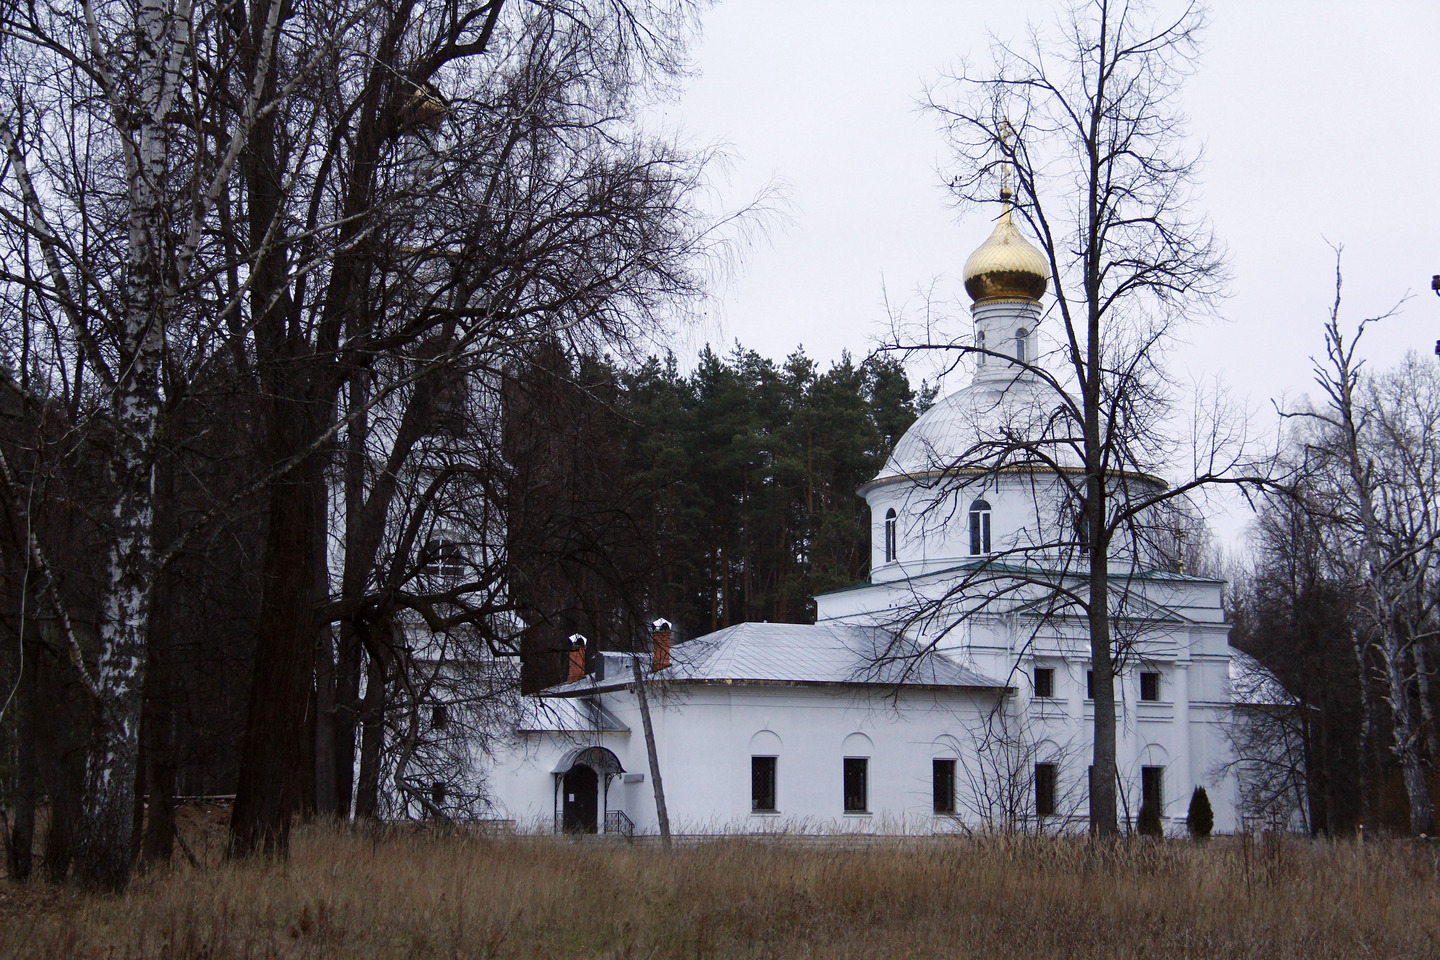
<point>617,822</point>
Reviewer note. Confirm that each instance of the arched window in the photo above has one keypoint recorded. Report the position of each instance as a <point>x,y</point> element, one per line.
<point>890,550</point>
<point>980,345</point>
<point>1021,352</point>
<point>979,528</point>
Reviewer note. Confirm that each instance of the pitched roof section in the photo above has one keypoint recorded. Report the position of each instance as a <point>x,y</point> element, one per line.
<point>576,715</point>
<point>829,654</point>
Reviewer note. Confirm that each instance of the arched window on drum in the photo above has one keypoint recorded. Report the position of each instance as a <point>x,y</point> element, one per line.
<point>1022,345</point>
<point>979,528</point>
<point>890,536</point>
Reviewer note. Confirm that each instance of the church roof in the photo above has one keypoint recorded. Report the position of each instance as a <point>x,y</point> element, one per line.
<point>829,654</point>
<point>576,715</point>
<point>1006,265</point>
<point>983,424</point>
<point>1119,578</point>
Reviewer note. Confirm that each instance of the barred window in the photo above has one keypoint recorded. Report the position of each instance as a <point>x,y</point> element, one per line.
<point>1152,787</point>
<point>944,781</point>
<point>857,785</point>
<point>1046,777</point>
<point>762,784</point>
<point>1044,682</point>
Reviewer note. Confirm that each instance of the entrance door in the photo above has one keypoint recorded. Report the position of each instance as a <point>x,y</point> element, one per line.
<point>580,796</point>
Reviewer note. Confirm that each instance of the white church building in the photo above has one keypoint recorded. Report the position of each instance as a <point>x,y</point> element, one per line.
<point>950,692</point>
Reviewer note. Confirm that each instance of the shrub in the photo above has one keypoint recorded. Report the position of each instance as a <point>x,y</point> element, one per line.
<point>1148,823</point>
<point>1200,819</point>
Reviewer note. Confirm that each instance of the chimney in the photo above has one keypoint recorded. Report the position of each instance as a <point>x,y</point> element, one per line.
<point>661,658</point>
<point>577,658</point>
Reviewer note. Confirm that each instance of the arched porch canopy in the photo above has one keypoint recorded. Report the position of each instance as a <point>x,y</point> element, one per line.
<point>599,759</point>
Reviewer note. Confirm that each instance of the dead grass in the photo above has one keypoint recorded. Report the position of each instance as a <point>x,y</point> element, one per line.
<point>420,894</point>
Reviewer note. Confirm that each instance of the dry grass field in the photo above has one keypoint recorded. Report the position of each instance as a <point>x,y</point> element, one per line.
<point>352,894</point>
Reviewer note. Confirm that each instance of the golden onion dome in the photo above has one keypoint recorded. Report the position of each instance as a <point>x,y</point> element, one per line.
<point>1006,265</point>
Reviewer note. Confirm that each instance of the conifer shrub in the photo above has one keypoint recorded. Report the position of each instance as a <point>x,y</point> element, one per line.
<point>1200,819</point>
<point>1148,822</point>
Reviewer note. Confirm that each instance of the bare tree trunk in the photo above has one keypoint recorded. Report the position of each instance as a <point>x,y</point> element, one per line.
<point>20,844</point>
<point>660,809</point>
<point>1406,737</point>
<point>1105,776</point>
<point>107,816</point>
<point>347,705</point>
<point>372,738</point>
<point>64,820</point>
<point>372,716</point>
<point>274,751</point>
<point>326,797</point>
<point>1427,704</point>
<point>268,793</point>
<point>1339,382</point>
<point>348,649</point>
<point>1367,714</point>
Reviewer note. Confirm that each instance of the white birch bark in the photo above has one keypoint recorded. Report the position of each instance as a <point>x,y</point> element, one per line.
<point>106,825</point>
<point>1377,578</point>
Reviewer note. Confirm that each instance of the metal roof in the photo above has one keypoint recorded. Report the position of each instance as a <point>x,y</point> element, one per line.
<point>576,715</point>
<point>599,759</point>
<point>999,569</point>
<point>799,654</point>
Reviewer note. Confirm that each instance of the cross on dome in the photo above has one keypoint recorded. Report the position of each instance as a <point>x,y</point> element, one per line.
<point>1006,265</point>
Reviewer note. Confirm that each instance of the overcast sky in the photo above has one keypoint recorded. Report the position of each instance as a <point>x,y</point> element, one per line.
<point>1319,122</point>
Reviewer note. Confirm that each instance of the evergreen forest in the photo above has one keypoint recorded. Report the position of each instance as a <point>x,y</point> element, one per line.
<point>714,497</point>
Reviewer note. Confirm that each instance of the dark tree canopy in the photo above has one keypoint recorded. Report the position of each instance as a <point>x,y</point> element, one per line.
<point>718,497</point>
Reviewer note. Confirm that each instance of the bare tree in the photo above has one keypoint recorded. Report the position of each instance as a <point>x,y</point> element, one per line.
<point>1294,615</point>
<point>1086,120</point>
<point>322,207</point>
<point>1269,744</point>
<point>115,176</point>
<point>527,207</point>
<point>1010,779</point>
<point>1373,461</point>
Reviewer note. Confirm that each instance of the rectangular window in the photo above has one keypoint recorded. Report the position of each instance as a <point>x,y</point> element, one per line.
<point>762,784</point>
<point>439,717</point>
<point>1149,686</point>
<point>1089,684</point>
<point>857,786</point>
<point>944,778</point>
<point>1046,776</point>
<point>1152,786</point>
<point>1044,682</point>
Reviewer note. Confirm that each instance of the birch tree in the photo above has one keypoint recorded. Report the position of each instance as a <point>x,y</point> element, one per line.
<point>1374,460</point>
<point>282,199</point>
<point>112,174</point>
